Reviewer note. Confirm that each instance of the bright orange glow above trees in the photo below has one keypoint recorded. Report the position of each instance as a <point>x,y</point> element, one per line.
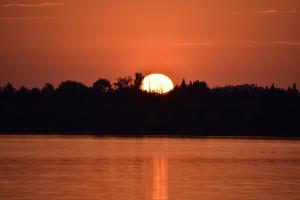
<point>222,42</point>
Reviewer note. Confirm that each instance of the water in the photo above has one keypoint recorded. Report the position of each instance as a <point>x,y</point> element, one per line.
<point>87,168</point>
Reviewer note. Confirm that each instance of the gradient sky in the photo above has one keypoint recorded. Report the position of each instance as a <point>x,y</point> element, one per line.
<point>219,41</point>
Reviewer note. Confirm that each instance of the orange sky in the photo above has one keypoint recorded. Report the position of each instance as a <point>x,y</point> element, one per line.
<point>219,41</point>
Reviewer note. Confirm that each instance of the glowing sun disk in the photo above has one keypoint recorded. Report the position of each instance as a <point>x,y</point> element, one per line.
<point>157,83</point>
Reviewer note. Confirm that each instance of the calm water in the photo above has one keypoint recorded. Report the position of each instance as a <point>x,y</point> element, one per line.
<point>86,168</point>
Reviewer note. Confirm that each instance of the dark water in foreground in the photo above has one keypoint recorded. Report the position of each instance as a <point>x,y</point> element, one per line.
<point>83,168</point>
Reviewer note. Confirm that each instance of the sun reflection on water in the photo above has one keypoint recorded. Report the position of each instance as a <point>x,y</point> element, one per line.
<point>160,178</point>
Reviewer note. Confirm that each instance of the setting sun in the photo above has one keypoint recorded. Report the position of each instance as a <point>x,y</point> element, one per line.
<point>157,83</point>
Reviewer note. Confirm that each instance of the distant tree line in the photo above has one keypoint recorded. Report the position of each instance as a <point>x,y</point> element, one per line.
<point>122,107</point>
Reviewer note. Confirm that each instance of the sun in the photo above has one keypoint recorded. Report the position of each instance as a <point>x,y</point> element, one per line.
<point>157,83</point>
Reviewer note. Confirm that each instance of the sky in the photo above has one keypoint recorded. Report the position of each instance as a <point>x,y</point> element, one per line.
<point>222,42</point>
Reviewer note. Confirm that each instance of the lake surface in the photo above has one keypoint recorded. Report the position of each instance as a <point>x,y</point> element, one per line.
<point>89,168</point>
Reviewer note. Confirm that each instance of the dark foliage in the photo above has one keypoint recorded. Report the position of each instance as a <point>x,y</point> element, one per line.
<point>190,109</point>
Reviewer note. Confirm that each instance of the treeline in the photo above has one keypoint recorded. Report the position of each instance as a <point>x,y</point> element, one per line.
<point>192,108</point>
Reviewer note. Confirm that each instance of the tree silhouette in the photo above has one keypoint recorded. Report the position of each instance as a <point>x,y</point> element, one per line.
<point>71,86</point>
<point>123,83</point>
<point>35,91</point>
<point>191,109</point>
<point>199,86</point>
<point>23,90</point>
<point>183,84</point>
<point>102,85</point>
<point>295,87</point>
<point>138,80</point>
<point>48,89</point>
<point>9,89</point>
<point>272,87</point>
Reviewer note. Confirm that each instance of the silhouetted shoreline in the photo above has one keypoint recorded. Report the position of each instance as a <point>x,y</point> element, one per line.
<point>121,108</point>
<point>140,136</point>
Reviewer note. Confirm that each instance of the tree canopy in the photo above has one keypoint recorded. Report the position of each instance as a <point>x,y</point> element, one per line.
<point>122,108</point>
